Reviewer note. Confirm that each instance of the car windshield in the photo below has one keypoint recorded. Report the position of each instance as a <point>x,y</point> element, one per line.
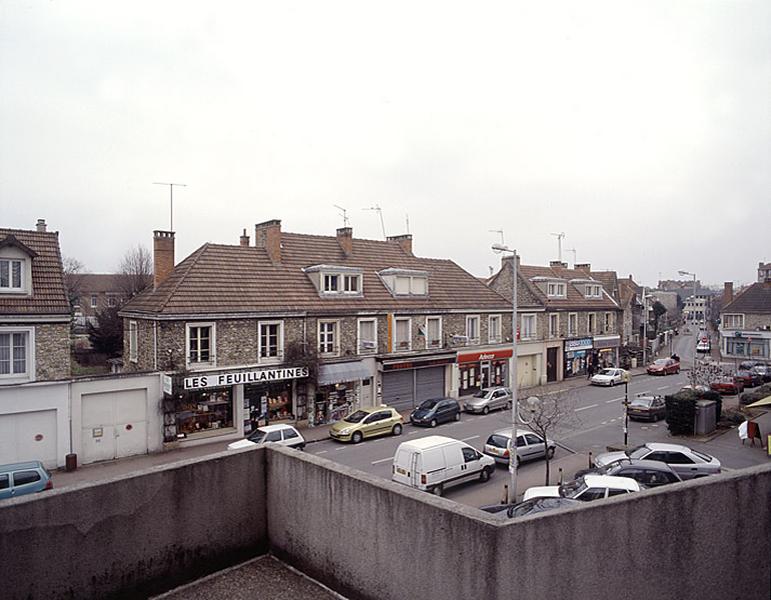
<point>428,404</point>
<point>482,394</point>
<point>257,436</point>
<point>608,372</point>
<point>356,417</point>
<point>571,489</point>
<point>646,402</point>
<point>638,452</point>
<point>660,361</point>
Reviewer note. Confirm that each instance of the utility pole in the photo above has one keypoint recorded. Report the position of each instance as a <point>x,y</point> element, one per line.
<point>171,200</point>
<point>559,237</point>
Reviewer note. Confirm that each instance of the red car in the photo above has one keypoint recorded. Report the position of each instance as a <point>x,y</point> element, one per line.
<point>727,385</point>
<point>664,366</point>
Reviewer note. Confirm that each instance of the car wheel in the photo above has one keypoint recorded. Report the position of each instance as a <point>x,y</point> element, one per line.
<point>485,474</point>
<point>437,490</point>
<point>550,452</point>
<point>356,437</point>
<point>457,416</point>
<point>397,429</point>
<point>432,423</point>
<point>485,410</point>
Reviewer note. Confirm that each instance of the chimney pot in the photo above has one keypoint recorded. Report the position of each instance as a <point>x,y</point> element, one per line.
<point>559,263</point>
<point>268,235</point>
<point>345,239</point>
<point>41,225</point>
<point>244,239</point>
<point>404,241</point>
<point>584,267</point>
<point>163,256</point>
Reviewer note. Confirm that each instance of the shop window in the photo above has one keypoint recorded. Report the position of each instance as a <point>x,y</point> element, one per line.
<point>472,329</point>
<point>433,332</point>
<point>200,344</point>
<point>494,329</point>
<point>367,336</point>
<point>527,331</point>
<point>328,342</point>
<point>202,411</point>
<point>403,334</point>
<point>271,341</point>
<point>14,353</point>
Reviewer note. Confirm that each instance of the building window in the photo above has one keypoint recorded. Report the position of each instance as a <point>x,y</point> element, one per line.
<point>11,275</point>
<point>573,324</point>
<point>528,327</point>
<point>494,329</point>
<point>554,325</point>
<point>593,291</point>
<point>403,334</point>
<point>270,340</point>
<point>331,283</point>
<point>200,344</point>
<point>367,336</point>
<point>328,337</point>
<point>112,301</point>
<point>592,322</point>
<point>555,290</point>
<point>133,341</point>
<point>607,322</point>
<point>351,284</point>
<point>472,329</point>
<point>433,332</point>
<point>733,321</point>
<point>14,353</point>
<point>406,286</point>
<point>93,301</point>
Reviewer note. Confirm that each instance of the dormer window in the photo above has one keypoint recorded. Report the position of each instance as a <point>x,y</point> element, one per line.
<point>336,281</point>
<point>555,290</point>
<point>331,283</point>
<point>593,291</point>
<point>405,282</point>
<point>15,266</point>
<point>11,275</point>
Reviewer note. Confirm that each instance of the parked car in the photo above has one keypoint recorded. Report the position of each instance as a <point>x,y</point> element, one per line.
<point>539,505</point>
<point>686,462</point>
<point>748,378</point>
<point>18,479</point>
<point>696,388</point>
<point>703,346</point>
<point>610,377</point>
<point>586,488</point>
<point>650,473</point>
<point>746,365</point>
<point>647,406</point>
<point>366,423</point>
<point>488,399</point>
<point>664,366</point>
<point>764,371</point>
<point>529,446</point>
<point>436,462</point>
<point>286,435</point>
<point>435,411</point>
<point>727,385</point>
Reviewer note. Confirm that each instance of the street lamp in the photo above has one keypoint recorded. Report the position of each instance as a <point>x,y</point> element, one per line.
<point>498,248</point>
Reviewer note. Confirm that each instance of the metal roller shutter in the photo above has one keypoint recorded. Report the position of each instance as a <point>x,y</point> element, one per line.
<point>430,384</point>
<point>398,390</point>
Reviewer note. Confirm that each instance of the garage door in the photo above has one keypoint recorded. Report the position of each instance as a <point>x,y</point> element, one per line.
<point>398,389</point>
<point>28,436</point>
<point>430,383</point>
<point>114,425</point>
<point>527,371</point>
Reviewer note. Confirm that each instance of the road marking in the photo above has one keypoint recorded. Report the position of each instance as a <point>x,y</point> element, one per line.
<point>382,460</point>
<point>604,422</point>
<point>321,452</point>
<point>341,448</point>
<point>473,437</point>
<point>586,407</point>
<point>663,387</point>
<point>614,400</point>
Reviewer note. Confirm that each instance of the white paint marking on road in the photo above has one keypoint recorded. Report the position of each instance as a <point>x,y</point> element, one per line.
<point>614,400</point>
<point>586,407</point>
<point>321,452</point>
<point>413,432</point>
<point>341,448</point>
<point>663,387</point>
<point>473,437</point>
<point>604,422</point>
<point>382,460</point>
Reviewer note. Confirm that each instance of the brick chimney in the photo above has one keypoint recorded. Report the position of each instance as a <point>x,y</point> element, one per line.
<point>345,239</point>
<point>268,235</point>
<point>728,293</point>
<point>404,241</point>
<point>244,239</point>
<point>583,267</point>
<point>163,256</point>
<point>41,225</point>
<point>558,263</point>
<point>506,262</point>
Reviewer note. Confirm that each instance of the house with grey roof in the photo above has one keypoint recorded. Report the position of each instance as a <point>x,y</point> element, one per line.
<point>745,320</point>
<point>299,327</point>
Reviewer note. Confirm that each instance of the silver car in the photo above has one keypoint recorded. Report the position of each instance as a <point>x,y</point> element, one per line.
<point>488,399</point>
<point>684,461</point>
<point>529,446</point>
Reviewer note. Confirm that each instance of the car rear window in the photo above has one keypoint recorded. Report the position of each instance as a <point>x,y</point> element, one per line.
<point>289,434</point>
<point>498,441</point>
<point>646,402</point>
<point>702,456</point>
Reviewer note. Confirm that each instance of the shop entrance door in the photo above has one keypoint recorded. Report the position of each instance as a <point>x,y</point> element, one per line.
<point>484,370</point>
<point>551,364</point>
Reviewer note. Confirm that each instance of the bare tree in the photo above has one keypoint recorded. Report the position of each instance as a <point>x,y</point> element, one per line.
<point>73,279</point>
<point>136,266</point>
<point>544,415</point>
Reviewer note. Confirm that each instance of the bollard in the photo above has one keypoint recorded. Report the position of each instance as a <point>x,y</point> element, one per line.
<point>590,460</point>
<point>560,471</point>
<point>505,499</point>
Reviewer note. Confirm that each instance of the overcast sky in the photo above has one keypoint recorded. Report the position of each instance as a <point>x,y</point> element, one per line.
<point>640,129</point>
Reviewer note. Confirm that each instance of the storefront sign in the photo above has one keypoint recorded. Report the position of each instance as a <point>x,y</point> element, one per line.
<point>226,379</point>
<point>483,356</point>
<point>414,364</point>
<point>579,344</point>
<point>608,341</point>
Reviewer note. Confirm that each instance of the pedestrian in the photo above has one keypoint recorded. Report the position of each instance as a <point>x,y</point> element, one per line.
<point>589,369</point>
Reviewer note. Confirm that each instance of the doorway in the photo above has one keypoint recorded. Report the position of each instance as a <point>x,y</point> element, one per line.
<point>551,364</point>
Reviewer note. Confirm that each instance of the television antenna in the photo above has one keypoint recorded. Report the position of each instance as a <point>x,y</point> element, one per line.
<point>573,250</point>
<point>379,211</point>
<point>343,213</point>
<point>560,236</point>
<point>499,232</point>
<point>171,200</point>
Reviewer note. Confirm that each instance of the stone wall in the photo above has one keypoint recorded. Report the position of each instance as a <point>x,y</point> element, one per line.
<point>52,351</point>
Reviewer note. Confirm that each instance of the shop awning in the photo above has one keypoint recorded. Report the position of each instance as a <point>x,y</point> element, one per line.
<point>342,372</point>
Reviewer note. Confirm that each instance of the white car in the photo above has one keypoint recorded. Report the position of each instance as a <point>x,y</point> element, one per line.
<point>585,488</point>
<point>610,377</point>
<point>286,435</point>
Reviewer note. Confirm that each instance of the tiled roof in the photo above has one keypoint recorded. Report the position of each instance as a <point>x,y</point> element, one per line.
<point>755,299</point>
<point>575,300</point>
<point>628,290</point>
<point>224,279</point>
<point>109,283</point>
<point>48,293</point>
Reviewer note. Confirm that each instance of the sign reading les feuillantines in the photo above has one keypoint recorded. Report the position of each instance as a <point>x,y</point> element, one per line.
<point>262,375</point>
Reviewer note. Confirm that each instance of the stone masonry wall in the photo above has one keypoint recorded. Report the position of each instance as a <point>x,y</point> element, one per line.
<point>52,351</point>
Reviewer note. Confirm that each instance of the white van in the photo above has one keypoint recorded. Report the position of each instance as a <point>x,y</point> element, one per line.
<point>435,462</point>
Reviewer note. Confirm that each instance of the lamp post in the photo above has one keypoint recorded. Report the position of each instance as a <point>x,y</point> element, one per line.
<point>512,495</point>
<point>645,326</point>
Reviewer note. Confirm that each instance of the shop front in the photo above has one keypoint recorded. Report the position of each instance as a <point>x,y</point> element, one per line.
<point>479,370</point>
<point>746,344</point>
<point>606,351</point>
<point>342,388</point>
<point>219,403</point>
<point>578,353</point>
<point>405,383</point>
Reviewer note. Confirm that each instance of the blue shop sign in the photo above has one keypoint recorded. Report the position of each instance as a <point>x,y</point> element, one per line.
<point>578,344</point>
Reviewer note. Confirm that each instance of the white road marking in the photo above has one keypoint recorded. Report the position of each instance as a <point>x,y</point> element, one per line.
<point>614,400</point>
<point>382,460</point>
<point>321,452</point>
<point>604,422</point>
<point>341,448</point>
<point>413,432</point>
<point>587,407</point>
<point>473,437</point>
<point>663,387</point>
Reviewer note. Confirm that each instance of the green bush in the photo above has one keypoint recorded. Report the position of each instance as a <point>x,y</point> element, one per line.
<point>681,412</point>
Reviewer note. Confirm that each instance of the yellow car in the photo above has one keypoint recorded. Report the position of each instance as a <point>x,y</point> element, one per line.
<point>366,423</point>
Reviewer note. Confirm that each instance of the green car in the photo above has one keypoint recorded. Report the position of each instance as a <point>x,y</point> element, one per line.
<point>366,423</point>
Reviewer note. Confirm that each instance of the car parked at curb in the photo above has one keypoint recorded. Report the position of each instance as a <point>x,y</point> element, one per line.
<point>646,406</point>
<point>286,435</point>
<point>763,371</point>
<point>586,488</point>
<point>727,385</point>
<point>650,473</point>
<point>366,423</point>
<point>488,399</point>
<point>435,411</point>
<point>684,461</point>
<point>664,366</point>
<point>748,378</point>
<point>19,479</point>
<point>530,446</point>
<point>610,377</point>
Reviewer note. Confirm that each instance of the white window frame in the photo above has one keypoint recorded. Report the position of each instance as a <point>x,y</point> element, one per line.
<point>347,278</point>
<point>593,291</point>
<point>574,318</point>
<point>330,276</point>
<point>608,324</point>
<point>589,327</point>
<point>477,338</point>
<point>411,288</point>
<point>279,342</point>
<point>133,341</point>
<point>360,341</point>
<point>335,337</point>
<point>398,347</point>
<point>212,362</point>
<point>555,290</point>
<point>734,318</point>
<point>10,288</point>
<point>554,331</point>
<point>94,301</point>
<point>29,358</point>
<point>534,332</point>
<point>429,342</point>
<point>112,301</point>
<point>494,339</point>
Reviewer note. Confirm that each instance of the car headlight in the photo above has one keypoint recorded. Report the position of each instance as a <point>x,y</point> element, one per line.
<point>345,431</point>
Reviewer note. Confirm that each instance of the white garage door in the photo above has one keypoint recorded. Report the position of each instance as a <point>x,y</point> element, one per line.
<point>528,374</point>
<point>114,425</point>
<point>28,436</point>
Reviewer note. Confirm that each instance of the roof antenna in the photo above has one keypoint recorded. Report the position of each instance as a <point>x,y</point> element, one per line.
<point>407,217</point>
<point>499,231</point>
<point>379,211</point>
<point>559,237</point>
<point>171,200</point>
<point>344,214</point>
<point>573,250</point>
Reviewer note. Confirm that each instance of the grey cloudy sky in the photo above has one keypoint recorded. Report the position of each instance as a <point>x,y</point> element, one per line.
<point>640,129</point>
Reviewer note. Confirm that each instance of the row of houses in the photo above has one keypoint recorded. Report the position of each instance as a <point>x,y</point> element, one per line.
<point>745,319</point>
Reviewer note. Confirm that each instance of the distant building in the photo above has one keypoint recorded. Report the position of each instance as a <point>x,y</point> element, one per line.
<point>745,320</point>
<point>97,291</point>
